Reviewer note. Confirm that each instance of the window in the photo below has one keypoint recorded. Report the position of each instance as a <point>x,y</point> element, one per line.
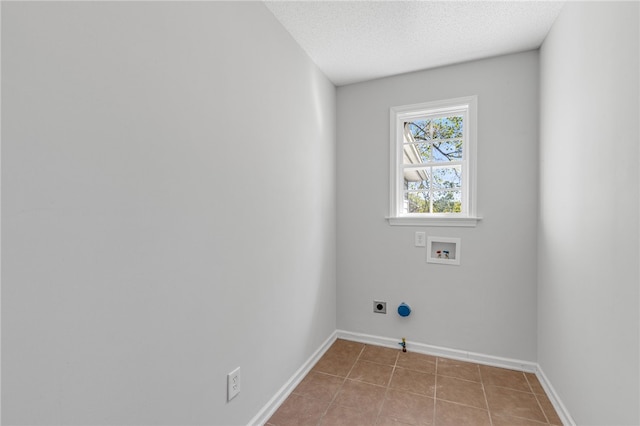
<point>433,163</point>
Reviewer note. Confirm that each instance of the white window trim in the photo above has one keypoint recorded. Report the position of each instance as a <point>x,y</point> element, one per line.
<point>398,115</point>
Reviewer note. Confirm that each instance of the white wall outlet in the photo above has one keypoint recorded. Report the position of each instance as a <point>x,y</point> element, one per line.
<point>420,239</point>
<point>233,384</point>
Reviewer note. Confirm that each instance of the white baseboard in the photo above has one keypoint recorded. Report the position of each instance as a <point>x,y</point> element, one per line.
<point>562,411</point>
<point>530,367</point>
<point>495,361</point>
<point>283,393</point>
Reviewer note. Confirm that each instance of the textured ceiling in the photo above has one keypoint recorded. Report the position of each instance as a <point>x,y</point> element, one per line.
<point>354,41</point>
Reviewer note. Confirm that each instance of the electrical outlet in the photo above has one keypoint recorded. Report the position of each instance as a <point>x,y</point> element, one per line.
<point>379,307</point>
<point>233,384</point>
<point>420,239</point>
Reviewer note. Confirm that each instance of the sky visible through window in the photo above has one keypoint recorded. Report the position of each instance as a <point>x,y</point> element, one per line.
<point>433,153</point>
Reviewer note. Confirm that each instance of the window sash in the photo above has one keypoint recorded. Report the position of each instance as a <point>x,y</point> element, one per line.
<point>400,123</point>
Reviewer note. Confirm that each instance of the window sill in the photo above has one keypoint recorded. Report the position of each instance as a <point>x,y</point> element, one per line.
<point>469,222</point>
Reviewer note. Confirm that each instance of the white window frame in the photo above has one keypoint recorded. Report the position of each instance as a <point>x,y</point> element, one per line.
<point>398,116</point>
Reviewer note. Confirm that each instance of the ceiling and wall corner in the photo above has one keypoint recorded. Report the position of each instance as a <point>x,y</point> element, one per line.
<point>354,41</point>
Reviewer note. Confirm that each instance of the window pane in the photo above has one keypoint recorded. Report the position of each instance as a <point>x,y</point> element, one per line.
<point>415,175</point>
<point>447,202</point>
<point>416,153</point>
<point>447,151</point>
<point>419,129</point>
<point>416,185</point>
<point>446,127</point>
<point>447,177</point>
<point>416,202</point>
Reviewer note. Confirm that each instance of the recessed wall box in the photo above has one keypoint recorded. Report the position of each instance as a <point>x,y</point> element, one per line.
<point>443,250</point>
<point>379,307</point>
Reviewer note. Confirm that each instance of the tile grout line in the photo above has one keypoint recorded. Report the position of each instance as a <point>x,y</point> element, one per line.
<point>386,390</point>
<point>486,400</point>
<point>344,380</point>
<point>544,413</point>
<point>435,390</point>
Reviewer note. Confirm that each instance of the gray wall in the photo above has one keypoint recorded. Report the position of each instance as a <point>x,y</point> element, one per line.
<point>488,303</point>
<point>588,291</point>
<point>168,211</point>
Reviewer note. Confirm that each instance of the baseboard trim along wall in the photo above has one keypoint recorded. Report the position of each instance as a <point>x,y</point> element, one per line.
<point>530,367</point>
<point>422,348</point>
<point>283,393</point>
<point>562,411</point>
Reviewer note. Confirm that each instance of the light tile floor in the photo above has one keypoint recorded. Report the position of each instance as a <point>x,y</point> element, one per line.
<point>356,384</point>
